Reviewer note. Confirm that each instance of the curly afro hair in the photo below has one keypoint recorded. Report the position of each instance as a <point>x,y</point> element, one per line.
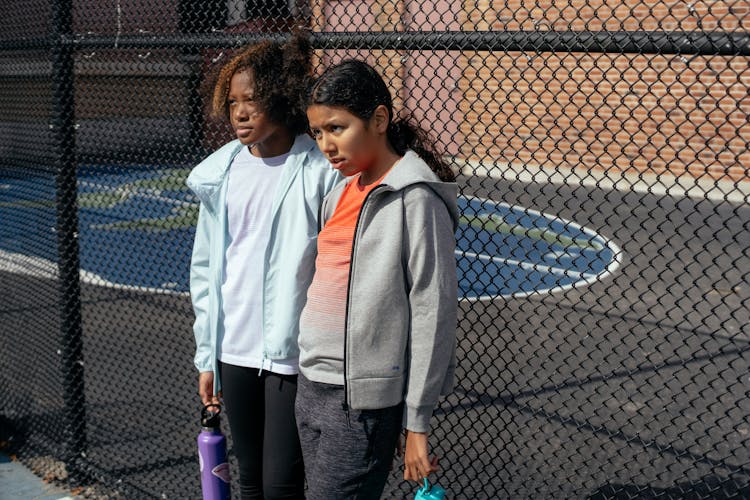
<point>281,73</point>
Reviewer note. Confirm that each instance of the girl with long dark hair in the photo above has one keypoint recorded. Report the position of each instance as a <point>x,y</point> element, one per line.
<point>377,334</point>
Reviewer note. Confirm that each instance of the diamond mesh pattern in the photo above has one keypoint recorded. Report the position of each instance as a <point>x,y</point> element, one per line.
<point>603,251</point>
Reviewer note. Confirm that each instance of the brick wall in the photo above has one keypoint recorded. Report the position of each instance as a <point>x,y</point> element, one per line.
<point>425,82</point>
<point>619,112</point>
<point>368,15</point>
<point>649,113</point>
<point>431,78</point>
<point>662,113</point>
<point>613,15</point>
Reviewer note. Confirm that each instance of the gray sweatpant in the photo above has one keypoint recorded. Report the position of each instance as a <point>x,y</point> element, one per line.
<point>344,459</point>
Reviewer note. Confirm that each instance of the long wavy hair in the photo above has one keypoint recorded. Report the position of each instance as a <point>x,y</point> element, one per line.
<point>356,86</point>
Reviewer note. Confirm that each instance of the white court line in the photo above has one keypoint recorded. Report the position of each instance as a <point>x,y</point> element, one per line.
<point>558,271</point>
<point>587,278</point>
<point>147,193</point>
<point>38,267</point>
<point>663,184</point>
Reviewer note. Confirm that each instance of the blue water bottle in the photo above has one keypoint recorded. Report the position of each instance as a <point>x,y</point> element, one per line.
<point>212,455</point>
<point>427,492</point>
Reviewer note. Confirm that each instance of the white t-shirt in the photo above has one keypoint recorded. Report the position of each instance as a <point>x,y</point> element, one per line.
<point>250,193</point>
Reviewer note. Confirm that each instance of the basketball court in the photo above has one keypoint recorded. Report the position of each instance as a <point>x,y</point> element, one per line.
<point>602,319</point>
<point>502,250</point>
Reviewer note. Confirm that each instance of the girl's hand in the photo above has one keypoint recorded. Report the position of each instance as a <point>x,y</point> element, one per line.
<point>206,388</point>
<point>417,464</point>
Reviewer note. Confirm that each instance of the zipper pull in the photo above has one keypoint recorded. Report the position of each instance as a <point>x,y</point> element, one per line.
<point>345,407</point>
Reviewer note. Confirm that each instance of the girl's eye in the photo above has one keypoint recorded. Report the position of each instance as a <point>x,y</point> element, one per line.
<point>232,102</point>
<point>315,133</point>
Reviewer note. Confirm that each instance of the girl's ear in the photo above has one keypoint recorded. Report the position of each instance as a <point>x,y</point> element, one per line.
<point>380,119</point>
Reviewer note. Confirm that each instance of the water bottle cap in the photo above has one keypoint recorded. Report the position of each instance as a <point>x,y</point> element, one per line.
<point>427,492</point>
<point>210,416</point>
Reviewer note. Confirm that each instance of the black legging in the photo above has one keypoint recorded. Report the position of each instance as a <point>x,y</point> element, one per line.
<point>260,410</point>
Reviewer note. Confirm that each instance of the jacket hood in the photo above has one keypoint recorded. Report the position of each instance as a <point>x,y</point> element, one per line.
<point>207,177</point>
<point>411,169</point>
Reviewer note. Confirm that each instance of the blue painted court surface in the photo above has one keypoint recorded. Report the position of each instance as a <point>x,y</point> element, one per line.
<point>135,231</point>
<point>506,250</point>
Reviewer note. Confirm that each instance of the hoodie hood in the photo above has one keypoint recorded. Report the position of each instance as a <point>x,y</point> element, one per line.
<point>411,169</point>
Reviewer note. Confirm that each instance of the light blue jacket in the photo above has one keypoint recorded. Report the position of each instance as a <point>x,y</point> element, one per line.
<point>289,262</point>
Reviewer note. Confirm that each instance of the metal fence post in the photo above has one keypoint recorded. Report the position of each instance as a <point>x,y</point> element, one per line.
<point>71,341</point>
<point>198,18</point>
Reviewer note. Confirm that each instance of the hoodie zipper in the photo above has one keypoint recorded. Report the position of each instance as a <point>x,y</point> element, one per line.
<point>345,403</point>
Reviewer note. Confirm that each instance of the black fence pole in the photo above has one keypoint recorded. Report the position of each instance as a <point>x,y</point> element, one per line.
<point>198,17</point>
<point>71,342</point>
<point>709,43</point>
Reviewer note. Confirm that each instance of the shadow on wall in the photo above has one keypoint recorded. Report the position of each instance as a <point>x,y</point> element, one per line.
<point>130,140</point>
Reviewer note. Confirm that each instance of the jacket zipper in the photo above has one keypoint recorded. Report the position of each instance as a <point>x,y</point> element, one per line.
<point>221,214</point>
<point>263,311</point>
<point>274,213</point>
<point>345,404</point>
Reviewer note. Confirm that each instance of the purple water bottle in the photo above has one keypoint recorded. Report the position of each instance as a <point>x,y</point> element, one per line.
<point>212,455</point>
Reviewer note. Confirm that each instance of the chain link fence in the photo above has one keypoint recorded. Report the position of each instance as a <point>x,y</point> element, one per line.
<point>603,253</point>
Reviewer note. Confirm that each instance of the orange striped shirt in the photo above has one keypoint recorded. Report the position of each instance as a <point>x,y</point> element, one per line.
<point>322,325</point>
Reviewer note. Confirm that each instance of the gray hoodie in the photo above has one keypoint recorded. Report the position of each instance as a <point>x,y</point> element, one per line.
<point>400,337</point>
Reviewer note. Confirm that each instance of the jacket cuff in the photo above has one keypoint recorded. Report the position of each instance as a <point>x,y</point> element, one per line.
<point>203,366</point>
<point>417,419</point>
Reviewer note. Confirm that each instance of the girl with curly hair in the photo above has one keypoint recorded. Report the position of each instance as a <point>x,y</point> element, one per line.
<point>253,259</point>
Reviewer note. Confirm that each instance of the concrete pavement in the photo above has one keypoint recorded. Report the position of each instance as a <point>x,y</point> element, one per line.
<point>17,482</point>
